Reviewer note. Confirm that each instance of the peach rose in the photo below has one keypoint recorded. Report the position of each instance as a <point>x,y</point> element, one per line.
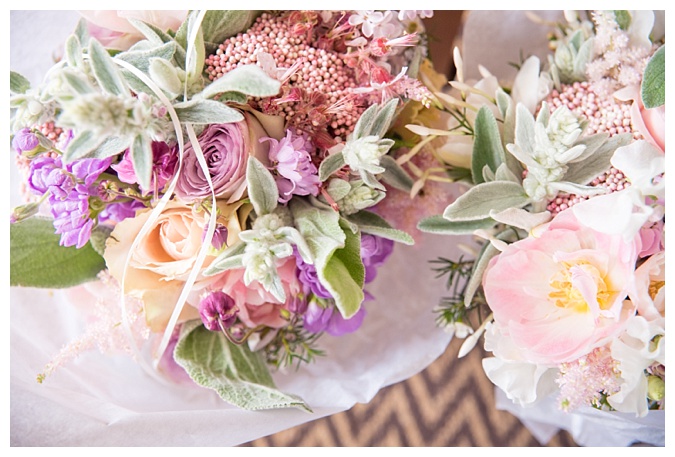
<point>559,296</point>
<point>256,305</point>
<point>650,122</point>
<point>165,256</point>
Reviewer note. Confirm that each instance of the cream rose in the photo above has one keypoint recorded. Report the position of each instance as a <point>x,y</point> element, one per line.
<point>165,256</point>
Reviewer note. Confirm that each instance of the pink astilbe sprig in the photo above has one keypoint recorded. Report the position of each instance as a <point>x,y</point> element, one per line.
<point>586,380</point>
<point>105,330</point>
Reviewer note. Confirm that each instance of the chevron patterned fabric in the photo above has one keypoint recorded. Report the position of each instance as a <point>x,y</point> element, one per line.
<point>451,403</point>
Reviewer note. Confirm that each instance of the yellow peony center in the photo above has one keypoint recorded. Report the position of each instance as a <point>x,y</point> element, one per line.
<point>654,287</point>
<point>581,287</point>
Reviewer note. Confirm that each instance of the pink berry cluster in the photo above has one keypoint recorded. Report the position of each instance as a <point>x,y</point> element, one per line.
<point>604,115</point>
<point>317,97</point>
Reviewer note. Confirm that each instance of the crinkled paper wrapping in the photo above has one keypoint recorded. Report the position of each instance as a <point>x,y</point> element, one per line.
<point>588,426</point>
<point>101,400</point>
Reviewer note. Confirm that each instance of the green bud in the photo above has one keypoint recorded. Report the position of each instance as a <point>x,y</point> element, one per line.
<point>656,388</point>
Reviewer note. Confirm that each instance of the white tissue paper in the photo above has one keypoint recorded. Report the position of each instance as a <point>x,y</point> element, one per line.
<point>102,400</point>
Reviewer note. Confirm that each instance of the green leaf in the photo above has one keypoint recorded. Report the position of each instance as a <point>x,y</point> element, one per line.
<point>226,260</point>
<point>336,254</point>
<point>99,235</point>
<point>375,225</point>
<point>247,79</point>
<point>78,84</point>
<point>442,226</point>
<point>365,122</point>
<point>237,374</point>
<point>383,119</point>
<point>105,70</point>
<point>262,188</point>
<point>395,175</point>
<point>207,112</point>
<point>487,145</point>
<point>344,275</point>
<point>623,19</point>
<point>18,84</point>
<point>141,157</point>
<point>479,200</point>
<point>654,80</point>
<point>586,170</point>
<point>219,25</point>
<point>141,58</point>
<point>74,52</point>
<point>82,145</point>
<point>37,259</point>
<point>82,32</point>
<point>111,146</point>
<point>194,64</point>
<point>330,165</point>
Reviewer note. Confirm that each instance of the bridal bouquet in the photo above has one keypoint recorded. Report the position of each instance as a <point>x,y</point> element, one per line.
<point>564,171</point>
<point>212,178</point>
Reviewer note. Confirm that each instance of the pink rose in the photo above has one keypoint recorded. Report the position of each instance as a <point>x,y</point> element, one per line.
<point>650,122</point>
<point>113,29</point>
<point>256,305</point>
<point>559,296</point>
<point>226,148</point>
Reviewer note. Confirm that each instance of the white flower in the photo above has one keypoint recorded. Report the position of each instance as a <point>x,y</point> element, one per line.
<point>522,381</point>
<point>364,154</point>
<point>626,211</point>
<point>635,351</point>
<point>411,15</point>
<point>367,19</point>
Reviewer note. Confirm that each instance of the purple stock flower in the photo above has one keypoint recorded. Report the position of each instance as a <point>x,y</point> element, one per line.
<point>219,238</point>
<point>164,162</point>
<point>306,274</point>
<point>292,160</point>
<point>329,319</point>
<point>218,306</point>
<point>25,141</point>
<point>117,212</point>
<point>71,219</point>
<point>374,251</point>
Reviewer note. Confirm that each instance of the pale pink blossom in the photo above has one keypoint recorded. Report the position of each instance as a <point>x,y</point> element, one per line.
<point>560,295</point>
<point>650,122</point>
<point>256,305</point>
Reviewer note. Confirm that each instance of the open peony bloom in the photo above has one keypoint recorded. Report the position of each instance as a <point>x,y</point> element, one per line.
<point>559,296</point>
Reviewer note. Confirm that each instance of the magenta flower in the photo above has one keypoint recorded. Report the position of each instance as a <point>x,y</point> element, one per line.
<point>164,162</point>
<point>219,238</point>
<point>25,141</point>
<point>218,306</point>
<point>118,211</point>
<point>292,160</point>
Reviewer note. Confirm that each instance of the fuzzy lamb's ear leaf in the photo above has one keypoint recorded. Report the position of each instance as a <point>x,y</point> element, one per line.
<point>586,170</point>
<point>479,200</point>
<point>247,79</point>
<point>141,157</point>
<point>383,119</point>
<point>442,226</point>
<point>37,260</point>
<point>262,188</point>
<point>18,84</point>
<point>226,260</point>
<point>653,88</point>
<point>487,146</point>
<point>218,25</point>
<point>395,175</point>
<point>82,145</point>
<point>375,225</point>
<point>365,122</point>
<point>330,165</point>
<point>106,72</point>
<point>239,375</point>
<point>206,112</point>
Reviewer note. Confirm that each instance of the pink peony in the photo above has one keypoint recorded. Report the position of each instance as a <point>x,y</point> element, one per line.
<point>256,305</point>
<point>559,296</point>
<point>650,122</point>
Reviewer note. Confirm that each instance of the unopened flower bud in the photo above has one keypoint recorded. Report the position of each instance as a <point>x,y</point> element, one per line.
<point>218,306</point>
<point>24,212</point>
<point>656,388</point>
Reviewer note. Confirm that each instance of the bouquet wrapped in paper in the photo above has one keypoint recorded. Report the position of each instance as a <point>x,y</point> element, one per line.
<point>213,178</point>
<point>564,176</point>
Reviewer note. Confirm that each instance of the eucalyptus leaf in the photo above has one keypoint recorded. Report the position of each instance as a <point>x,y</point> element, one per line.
<point>207,112</point>
<point>105,70</point>
<point>330,165</point>
<point>373,224</point>
<point>487,145</point>
<point>246,79</point>
<point>37,259</point>
<point>237,374</point>
<point>479,200</point>
<point>141,157</point>
<point>18,84</point>
<point>262,188</point>
<point>653,88</point>
<point>442,226</point>
<point>395,175</point>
